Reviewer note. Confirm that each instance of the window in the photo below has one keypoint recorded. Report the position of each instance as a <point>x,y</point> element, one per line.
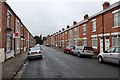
<point>116,40</point>
<point>93,25</point>
<point>8,44</point>
<point>111,50</point>
<point>8,19</point>
<point>75,32</point>
<point>117,50</point>
<point>94,42</point>
<point>116,19</point>
<point>84,42</point>
<point>84,29</point>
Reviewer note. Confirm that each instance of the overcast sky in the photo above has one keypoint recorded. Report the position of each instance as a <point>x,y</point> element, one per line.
<point>49,16</point>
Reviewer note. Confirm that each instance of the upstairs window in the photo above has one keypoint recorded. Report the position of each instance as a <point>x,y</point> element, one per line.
<point>84,29</point>
<point>116,15</point>
<point>75,32</point>
<point>8,19</point>
<point>93,25</point>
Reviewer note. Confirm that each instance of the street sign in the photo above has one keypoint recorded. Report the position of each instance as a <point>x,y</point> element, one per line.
<point>8,35</point>
<point>16,35</point>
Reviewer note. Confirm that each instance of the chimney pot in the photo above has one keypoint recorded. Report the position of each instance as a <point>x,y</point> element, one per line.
<point>74,22</point>
<point>86,16</point>
<point>106,5</point>
<point>68,26</point>
<point>59,30</point>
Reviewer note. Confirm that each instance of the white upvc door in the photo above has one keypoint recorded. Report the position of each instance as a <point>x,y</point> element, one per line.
<point>101,45</point>
<point>107,44</point>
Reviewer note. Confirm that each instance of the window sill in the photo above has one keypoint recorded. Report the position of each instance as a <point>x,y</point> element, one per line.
<point>84,34</point>
<point>94,31</point>
<point>95,47</point>
<point>116,27</point>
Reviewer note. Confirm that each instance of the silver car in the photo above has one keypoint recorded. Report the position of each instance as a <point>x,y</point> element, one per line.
<point>82,51</point>
<point>110,55</point>
<point>34,52</point>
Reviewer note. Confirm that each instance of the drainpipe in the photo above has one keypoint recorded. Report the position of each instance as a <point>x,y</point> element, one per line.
<point>14,38</point>
<point>103,32</point>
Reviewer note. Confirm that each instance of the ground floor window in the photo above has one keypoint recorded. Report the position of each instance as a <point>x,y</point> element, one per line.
<point>116,40</point>
<point>94,42</point>
<point>8,44</point>
<point>84,42</point>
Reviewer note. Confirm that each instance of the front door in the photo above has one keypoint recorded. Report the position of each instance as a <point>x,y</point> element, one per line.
<point>101,45</point>
<point>107,43</point>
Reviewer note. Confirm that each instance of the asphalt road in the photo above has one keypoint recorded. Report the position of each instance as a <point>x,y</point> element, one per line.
<point>56,64</point>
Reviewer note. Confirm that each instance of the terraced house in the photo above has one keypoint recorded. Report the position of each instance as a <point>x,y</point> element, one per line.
<point>15,38</point>
<point>101,30</point>
<point>1,49</point>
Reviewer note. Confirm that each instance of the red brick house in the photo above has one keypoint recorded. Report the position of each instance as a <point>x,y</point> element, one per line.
<point>14,35</point>
<point>101,30</point>
<point>2,58</point>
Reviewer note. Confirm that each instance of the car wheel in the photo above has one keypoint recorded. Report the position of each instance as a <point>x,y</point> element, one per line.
<point>100,59</point>
<point>78,55</point>
<point>71,53</point>
<point>67,52</point>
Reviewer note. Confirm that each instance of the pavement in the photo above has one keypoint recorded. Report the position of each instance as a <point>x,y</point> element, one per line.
<point>13,65</point>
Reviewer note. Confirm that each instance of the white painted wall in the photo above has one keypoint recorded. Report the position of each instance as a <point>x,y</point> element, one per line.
<point>2,55</point>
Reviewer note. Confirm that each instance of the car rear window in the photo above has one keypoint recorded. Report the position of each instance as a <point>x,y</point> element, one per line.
<point>88,48</point>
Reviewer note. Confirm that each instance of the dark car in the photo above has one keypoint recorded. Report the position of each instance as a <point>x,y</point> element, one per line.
<point>68,49</point>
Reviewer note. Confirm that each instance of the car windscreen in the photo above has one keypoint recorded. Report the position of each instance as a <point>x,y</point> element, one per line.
<point>88,48</point>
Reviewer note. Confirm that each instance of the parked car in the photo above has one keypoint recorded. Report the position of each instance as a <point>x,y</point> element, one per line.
<point>68,49</point>
<point>82,51</point>
<point>110,55</point>
<point>34,52</point>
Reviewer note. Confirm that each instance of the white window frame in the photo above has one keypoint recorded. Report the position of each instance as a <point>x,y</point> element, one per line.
<point>84,29</point>
<point>75,31</point>
<point>94,41</point>
<point>94,25</point>
<point>8,45</point>
<point>8,19</point>
<point>116,40</point>
<point>116,14</point>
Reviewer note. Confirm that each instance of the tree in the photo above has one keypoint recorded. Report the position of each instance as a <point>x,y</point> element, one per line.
<point>39,39</point>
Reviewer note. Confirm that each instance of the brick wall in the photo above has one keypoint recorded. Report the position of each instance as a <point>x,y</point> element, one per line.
<point>0,24</point>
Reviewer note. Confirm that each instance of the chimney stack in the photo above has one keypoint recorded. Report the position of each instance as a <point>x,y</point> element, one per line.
<point>106,5</point>
<point>86,16</point>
